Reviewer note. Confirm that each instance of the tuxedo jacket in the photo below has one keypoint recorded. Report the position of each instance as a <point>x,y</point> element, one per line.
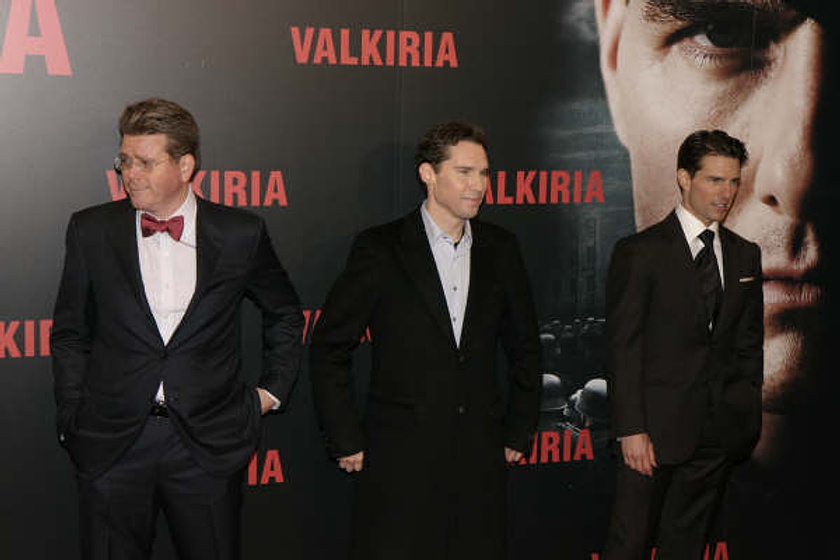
<point>109,358</point>
<point>668,372</point>
<point>435,424</point>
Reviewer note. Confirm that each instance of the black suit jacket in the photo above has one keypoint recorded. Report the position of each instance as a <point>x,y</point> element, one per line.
<point>667,371</point>
<point>109,358</point>
<point>435,426</point>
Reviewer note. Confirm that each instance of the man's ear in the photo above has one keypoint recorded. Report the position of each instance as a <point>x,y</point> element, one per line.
<point>683,180</point>
<point>427,173</point>
<point>610,15</point>
<point>186,165</point>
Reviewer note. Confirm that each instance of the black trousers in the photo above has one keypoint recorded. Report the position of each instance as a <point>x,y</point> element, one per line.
<point>673,510</point>
<point>119,509</point>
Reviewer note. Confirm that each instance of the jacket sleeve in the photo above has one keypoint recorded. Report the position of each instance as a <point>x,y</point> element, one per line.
<point>344,317</point>
<point>520,340</point>
<point>271,290</point>
<point>70,339</point>
<point>627,304</point>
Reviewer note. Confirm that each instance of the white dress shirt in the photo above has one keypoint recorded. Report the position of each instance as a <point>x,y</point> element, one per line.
<point>168,270</point>
<point>453,266</point>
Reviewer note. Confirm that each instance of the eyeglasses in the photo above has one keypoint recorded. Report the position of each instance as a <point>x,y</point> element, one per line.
<point>123,163</point>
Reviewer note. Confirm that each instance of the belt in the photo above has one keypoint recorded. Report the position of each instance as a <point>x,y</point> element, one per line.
<point>159,410</point>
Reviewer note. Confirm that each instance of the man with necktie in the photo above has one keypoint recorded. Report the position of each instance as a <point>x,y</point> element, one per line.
<point>684,342</point>
<point>153,405</point>
<point>440,292</point>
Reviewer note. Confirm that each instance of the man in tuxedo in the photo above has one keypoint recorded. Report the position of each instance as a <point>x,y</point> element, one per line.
<point>153,406</point>
<point>684,341</point>
<point>439,292</point>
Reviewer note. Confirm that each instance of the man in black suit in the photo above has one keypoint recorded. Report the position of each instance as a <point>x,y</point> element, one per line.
<point>685,332</point>
<point>152,404</point>
<point>439,292</point>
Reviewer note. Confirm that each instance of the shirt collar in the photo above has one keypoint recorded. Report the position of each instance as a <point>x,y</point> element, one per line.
<point>435,234</point>
<point>691,224</point>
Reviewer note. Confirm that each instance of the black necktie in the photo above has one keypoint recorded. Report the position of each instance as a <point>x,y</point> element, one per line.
<point>709,275</point>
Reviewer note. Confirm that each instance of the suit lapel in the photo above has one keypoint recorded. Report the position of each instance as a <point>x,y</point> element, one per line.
<point>685,269</point>
<point>416,257</point>
<point>208,240</point>
<point>481,277</point>
<point>122,235</point>
<point>730,274</point>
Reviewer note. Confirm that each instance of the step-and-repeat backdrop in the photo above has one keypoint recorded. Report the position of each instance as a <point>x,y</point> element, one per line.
<point>310,111</point>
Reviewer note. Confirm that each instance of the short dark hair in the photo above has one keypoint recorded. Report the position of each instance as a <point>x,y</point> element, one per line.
<point>160,116</point>
<point>709,142</point>
<point>433,147</point>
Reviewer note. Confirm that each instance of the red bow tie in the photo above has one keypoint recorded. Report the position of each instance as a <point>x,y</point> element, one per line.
<point>150,225</point>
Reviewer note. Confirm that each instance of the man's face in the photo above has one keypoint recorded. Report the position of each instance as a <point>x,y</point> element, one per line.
<point>753,68</point>
<point>710,192</point>
<point>455,190</point>
<point>154,181</point>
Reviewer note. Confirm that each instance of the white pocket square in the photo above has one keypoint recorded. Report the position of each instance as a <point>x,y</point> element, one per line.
<point>746,279</point>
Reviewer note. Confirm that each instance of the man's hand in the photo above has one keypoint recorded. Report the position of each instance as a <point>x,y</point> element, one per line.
<point>638,453</point>
<point>266,402</point>
<point>352,463</point>
<point>512,455</point>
